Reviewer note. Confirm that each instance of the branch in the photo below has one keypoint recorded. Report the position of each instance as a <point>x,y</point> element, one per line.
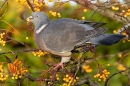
<point>86,81</point>
<point>30,77</point>
<point>101,9</point>
<point>78,67</point>
<point>114,75</point>
<point>81,81</point>
<point>35,79</point>
<point>3,4</point>
<point>29,3</point>
<point>108,13</point>
<point>19,83</point>
<point>18,41</point>
<point>18,51</point>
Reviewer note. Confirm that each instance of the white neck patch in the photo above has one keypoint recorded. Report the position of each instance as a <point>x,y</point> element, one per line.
<point>41,28</point>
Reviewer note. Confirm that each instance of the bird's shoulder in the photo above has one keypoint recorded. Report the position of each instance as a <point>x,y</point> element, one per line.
<point>81,22</point>
<point>67,20</point>
<point>64,24</point>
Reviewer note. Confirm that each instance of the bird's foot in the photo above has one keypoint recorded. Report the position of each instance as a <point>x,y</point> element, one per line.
<point>92,48</point>
<point>59,65</point>
<point>55,69</point>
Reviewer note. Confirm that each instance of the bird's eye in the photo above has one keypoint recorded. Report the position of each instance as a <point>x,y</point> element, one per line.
<point>37,16</point>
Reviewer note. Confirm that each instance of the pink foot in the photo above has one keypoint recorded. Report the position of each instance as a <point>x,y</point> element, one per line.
<point>92,48</point>
<point>55,69</point>
<point>59,65</point>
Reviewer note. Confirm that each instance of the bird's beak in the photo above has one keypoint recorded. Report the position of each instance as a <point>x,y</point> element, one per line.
<point>29,18</point>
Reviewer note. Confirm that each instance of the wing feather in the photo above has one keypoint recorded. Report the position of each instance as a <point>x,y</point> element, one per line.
<point>63,36</point>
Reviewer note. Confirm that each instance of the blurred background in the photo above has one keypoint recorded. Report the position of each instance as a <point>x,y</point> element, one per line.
<point>13,21</point>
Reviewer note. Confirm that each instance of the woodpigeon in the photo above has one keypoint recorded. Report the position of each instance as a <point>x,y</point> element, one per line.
<point>61,36</point>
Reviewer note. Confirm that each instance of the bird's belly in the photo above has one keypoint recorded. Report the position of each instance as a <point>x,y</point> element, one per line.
<point>63,54</point>
<point>41,45</point>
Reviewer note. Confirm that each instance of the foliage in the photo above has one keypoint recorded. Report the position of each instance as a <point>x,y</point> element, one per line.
<point>108,65</point>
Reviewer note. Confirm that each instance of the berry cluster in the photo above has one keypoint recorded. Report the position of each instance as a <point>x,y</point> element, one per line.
<point>54,13</point>
<point>87,68</point>
<point>2,42</point>
<point>102,75</point>
<point>39,53</point>
<point>16,69</point>
<point>69,80</point>
<point>3,76</point>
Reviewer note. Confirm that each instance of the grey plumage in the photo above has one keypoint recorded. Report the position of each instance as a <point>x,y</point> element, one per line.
<point>60,36</point>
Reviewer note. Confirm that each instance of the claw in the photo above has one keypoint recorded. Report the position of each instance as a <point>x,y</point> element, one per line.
<point>57,66</point>
<point>55,69</point>
<point>92,48</point>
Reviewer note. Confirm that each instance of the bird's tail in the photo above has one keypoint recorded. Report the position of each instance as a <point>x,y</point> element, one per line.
<point>110,39</point>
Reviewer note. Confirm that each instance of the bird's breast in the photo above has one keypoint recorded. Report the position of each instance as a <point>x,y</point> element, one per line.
<point>41,45</point>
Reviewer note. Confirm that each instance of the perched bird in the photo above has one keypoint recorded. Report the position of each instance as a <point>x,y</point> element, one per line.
<point>61,36</point>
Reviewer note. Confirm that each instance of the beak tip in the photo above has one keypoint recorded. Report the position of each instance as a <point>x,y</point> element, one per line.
<point>29,19</point>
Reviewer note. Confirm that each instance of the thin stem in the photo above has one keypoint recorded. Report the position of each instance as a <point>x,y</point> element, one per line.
<point>114,75</point>
<point>93,14</point>
<point>3,4</point>
<point>30,5</point>
<point>12,52</point>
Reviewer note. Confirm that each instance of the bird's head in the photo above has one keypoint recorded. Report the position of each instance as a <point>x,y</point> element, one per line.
<point>37,17</point>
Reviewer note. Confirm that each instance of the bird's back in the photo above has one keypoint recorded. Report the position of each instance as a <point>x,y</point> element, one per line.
<point>62,35</point>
